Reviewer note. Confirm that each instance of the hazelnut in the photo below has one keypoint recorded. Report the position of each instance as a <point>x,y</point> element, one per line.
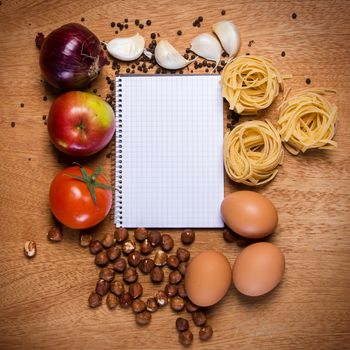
<point>117,288</point>
<point>182,291</point>
<point>112,300</point>
<point>167,242</point>
<point>135,290</point>
<point>130,275</point>
<point>173,261</point>
<point>121,234</point>
<point>183,254</point>
<point>140,234</point>
<point>95,246</point>
<point>143,318</point>
<point>182,268</point>
<point>85,240</point>
<point>55,234</point>
<point>157,274</point>
<point>186,338</point>
<point>160,258</point>
<point>182,324</point>
<point>161,298</point>
<point>102,287</point>
<point>205,333</point>
<point>138,305</point>
<point>190,307</point>
<point>154,237</point>
<point>187,236</point>
<point>146,247</point>
<point>175,277</point>
<point>228,236</point>
<point>113,253</point>
<point>170,290</point>
<point>152,305</point>
<point>107,274</point>
<point>101,259</point>
<point>119,265</point>
<point>134,258</point>
<point>128,247</point>
<point>108,240</point>
<point>30,249</point>
<point>125,300</point>
<point>177,303</point>
<point>95,300</point>
<point>199,318</point>
<point>146,265</point>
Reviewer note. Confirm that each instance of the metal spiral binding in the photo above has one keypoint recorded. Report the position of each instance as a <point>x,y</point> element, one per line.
<point>119,155</point>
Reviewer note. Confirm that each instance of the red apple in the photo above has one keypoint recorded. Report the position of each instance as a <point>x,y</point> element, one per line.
<point>80,123</point>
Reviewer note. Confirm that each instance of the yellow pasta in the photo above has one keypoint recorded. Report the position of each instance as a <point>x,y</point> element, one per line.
<point>252,152</point>
<point>250,83</point>
<point>307,120</point>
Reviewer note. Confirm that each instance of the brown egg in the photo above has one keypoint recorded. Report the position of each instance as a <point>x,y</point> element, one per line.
<point>249,214</point>
<point>258,269</point>
<point>208,278</point>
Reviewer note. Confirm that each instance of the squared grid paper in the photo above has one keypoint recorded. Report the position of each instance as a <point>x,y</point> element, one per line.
<point>172,151</point>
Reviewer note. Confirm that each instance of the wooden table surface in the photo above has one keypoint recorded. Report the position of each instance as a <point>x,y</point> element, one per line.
<point>43,301</point>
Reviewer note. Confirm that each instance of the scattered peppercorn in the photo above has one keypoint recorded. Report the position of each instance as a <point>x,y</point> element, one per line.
<point>148,22</point>
<point>82,19</point>
<point>13,124</point>
<point>294,15</point>
<point>223,12</point>
<point>112,24</point>
<point>283,53</point>
<point>22,105</point>
<point>179,32</point>
<point>137,22</point>
<point>153,35</point>
<point>141,26</point>
<point>308,81</point>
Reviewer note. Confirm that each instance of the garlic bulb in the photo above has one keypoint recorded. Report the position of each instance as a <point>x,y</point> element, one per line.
<point>168,57</point>
<point>127,49</point>
<point>206,46</point>
<point>228,35</point>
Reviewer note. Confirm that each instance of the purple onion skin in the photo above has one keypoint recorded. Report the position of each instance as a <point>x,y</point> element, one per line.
<point>71,56</point>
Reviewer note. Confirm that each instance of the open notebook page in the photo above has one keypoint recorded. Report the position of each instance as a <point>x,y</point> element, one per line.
<point>171,151</point>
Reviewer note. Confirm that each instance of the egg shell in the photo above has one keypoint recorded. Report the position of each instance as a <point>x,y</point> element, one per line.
<point>258,269</point>
<point>249,214</point>
<point>208,278</point>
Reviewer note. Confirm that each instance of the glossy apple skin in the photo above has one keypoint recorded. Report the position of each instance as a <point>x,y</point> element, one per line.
<point>80,123</point>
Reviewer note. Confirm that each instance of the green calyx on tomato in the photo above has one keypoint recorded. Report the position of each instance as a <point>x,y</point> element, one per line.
<point>90,180</point>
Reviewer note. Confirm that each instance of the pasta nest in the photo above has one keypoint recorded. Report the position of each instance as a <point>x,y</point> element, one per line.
<point>252,152</point>
<point>307,120</point>
<point>250,83</point>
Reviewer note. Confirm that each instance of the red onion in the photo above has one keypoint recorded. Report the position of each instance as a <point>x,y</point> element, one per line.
<point>71,57</point>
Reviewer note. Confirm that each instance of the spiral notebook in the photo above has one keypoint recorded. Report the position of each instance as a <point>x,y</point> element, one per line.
<point>169,151</point>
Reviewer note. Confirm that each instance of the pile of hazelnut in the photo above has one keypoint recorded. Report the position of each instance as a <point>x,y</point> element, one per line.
<point>119,254</point>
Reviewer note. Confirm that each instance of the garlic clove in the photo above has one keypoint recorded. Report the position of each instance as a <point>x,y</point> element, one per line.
<point>168,57</point>
<point>228,35</point>
<point>207,46</point>
<point>127,49</point>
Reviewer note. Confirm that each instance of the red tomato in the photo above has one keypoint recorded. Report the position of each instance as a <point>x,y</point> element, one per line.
<point>71,201</point>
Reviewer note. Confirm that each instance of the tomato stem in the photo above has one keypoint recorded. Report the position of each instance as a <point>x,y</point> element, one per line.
<point>90,180</point>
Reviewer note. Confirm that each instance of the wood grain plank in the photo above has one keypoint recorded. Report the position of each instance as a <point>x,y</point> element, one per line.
<point>44,301</point>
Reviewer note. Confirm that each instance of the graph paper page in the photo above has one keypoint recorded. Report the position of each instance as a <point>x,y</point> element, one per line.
<point>172,151</point>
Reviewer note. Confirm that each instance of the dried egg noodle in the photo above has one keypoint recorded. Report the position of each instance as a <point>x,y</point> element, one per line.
<point>252,152</point>
<point>250,83</point>
<point>307,120</point>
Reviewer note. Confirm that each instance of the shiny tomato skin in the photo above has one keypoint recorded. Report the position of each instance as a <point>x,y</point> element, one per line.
<point>71,201</point>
